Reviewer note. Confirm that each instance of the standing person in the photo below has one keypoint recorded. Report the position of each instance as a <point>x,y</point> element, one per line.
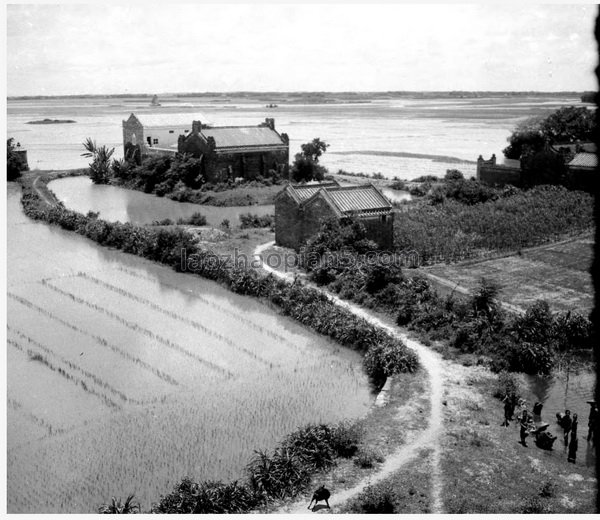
<point>573,446</point>
<point>537,412</point>
<point>508,411</point>
<point>592,421</point>
<point>574,424</point>
<point>566,423</point>
<point>524,427</point>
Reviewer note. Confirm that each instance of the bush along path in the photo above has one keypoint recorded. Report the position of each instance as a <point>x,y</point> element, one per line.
<point>429,438</point>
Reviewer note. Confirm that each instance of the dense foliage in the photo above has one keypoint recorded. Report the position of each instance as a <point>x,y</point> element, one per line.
<point>14,164</point>
<point>566,125</point>
<point>284,472</point>
<point>100,168</point>
<point>451,231</point>
<point>479,326</point>
<point>306,165</point>
<point>179,177</point>
<point>251,220</point>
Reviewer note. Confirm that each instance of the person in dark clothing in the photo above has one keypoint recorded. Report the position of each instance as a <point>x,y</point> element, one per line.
<point>566,423</point>
<point>508,411</point>
<point>537,411</point>
<point>592,421</point>
<point>573,447</point>
<point>524,427</point>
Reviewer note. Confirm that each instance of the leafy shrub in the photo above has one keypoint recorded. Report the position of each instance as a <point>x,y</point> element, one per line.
<point>196,219</point>
<point>345,438</point>
<point>386,359</point>
<point>250,220</point>
<point>279,475</point>
<point>116,507</point>
<point>377,499</point>
<point>398,185</point>
<point>454,175</point>
<point>366,458</point>
<point>426,178</point>
<point>507,385</point>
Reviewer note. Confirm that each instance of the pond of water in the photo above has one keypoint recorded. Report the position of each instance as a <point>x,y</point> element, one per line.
<point>120,204</point>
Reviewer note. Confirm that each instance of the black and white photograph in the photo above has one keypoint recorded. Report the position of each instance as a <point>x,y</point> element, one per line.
<point>300,258</point>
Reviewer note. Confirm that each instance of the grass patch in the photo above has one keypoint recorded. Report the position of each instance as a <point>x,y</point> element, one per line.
<point>486,470</point>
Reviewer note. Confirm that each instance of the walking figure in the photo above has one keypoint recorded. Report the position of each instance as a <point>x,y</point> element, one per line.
<point>320,494</point>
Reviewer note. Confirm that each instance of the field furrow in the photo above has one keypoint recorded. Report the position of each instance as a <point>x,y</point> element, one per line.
<point>252,323</point>
<point>211,332</point>
<point>142,330</point>
<point>109,365</point>
<point>38,357</point>
<point>70,366</point>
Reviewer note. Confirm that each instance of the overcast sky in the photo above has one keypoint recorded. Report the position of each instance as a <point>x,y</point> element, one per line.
<point>156,48</point>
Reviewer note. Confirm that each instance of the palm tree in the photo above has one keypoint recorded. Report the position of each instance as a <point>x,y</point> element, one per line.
<point>116,508</point>
<point>100,166</point>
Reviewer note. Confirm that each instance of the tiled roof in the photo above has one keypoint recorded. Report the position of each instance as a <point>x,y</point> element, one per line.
<point>365,199</point>
<point>238,136</point>
<point>349,199</point>
<point>170,120</point>
<point>573,147</point>
<point>306,191</point>
<point>584,160</point>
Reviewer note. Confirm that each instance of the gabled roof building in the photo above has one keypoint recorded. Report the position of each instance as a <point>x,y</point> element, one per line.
<point>226,152</point>
<point>237,151</point>
<point>300,211</point>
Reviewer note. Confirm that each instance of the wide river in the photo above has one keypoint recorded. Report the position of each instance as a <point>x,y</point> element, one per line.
<point>397,137</point>
<point>125,376</point>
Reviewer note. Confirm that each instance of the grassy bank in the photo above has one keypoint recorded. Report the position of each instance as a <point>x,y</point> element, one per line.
<point>486,470</point>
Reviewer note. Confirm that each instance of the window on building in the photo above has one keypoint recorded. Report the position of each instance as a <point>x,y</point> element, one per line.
<point>155,141</point>
<point>171,131</point>
<point>383,218</point>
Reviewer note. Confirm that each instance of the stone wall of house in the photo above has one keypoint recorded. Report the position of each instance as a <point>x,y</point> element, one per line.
<point>492,174</point>
<point>499,176</point>
<point>294,226</point>
<point>380,229</point>
<point>288,222</point>
<point>129,129</point>
<point>248,165</point>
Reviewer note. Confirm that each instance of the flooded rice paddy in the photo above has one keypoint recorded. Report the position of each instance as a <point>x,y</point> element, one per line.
<point>124,376</point>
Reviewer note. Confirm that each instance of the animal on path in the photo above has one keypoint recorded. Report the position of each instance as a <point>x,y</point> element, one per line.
<point>320,494</point>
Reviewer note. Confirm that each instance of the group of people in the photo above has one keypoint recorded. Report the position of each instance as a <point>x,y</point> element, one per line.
<point>531,423</point>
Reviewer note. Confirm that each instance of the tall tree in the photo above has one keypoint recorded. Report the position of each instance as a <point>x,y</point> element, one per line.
<point>306,165</point>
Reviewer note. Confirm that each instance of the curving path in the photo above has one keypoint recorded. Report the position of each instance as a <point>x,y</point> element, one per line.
<point>429,438</point>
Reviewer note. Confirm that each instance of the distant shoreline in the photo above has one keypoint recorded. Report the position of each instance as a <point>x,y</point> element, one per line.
<point>319,95</point>
<point>50,122</point>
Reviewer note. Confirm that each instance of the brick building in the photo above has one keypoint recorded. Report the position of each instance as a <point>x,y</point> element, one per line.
<point>149,134</point>
<point>301,210</point>
<point>237,151</point>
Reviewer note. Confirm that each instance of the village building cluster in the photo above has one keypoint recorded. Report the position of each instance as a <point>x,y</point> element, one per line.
<point>249,152</point>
